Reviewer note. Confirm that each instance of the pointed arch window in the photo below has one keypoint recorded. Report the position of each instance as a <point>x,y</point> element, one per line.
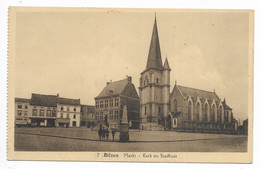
<point>205,113</point>
<point>189,111</point>
<point>225,116</point>
<point>212,113</point>
<point>220,113</point>
<point>175,105</point>
<point>197,112</point>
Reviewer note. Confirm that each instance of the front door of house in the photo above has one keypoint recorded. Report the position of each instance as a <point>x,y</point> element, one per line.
<point>74,124</point>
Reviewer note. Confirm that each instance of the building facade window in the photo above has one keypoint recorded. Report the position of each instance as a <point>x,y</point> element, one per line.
<point>225,116</point>
<point>101,116</point>
<point>26,107</point>
<point>25,113</point>
<point>197,112</point>
<point>174,121</point>
<point>61,108</point>
<point>220,114</point>
<point>111,102</point>
<point>74,116</point>
<point>74,108</point>
<point>19,112</point>
<point>97,104</point>
<point>159,110</point>
<point>116,101</point>
<point>54,113</point>
<point>34,113</point>
<point>41,112</point>
<point>144,110</point>
<point>68,116</point>
<point>111,115</point>
<point>175,105</point>
<point>48,113</point>
<point>205,114</point>
<point>101,103</point>
<point>157,80</point>
<point>212,113</point>
<point>68,108</point>
<point>116,115</point>
<point>61,115</point>
<point>96,117</point>
<point>189,111</point>
<point>20,106</point>
<point>106,103</point>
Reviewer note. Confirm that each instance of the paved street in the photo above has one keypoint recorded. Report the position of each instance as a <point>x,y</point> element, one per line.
<point>82,139</point>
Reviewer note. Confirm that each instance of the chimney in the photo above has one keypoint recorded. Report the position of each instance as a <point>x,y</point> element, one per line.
<point>129,78</point>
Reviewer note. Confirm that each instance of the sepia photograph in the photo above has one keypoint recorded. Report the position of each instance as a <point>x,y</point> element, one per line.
<point>158,85</point>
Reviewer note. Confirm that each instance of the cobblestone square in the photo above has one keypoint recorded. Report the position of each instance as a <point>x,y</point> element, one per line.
<point>82,139</point>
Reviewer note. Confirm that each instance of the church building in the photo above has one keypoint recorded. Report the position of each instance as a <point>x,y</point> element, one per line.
<point>186,108</point>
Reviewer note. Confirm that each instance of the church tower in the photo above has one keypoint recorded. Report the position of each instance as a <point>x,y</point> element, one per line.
<point>154,90</point>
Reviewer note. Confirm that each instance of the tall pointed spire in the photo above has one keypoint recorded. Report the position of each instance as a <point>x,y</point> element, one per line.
<point>154,57</point>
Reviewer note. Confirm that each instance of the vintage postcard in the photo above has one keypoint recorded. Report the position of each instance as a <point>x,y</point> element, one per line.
<point>134,85</point>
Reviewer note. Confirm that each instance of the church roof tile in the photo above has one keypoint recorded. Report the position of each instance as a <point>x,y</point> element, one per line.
<point>187,91</point>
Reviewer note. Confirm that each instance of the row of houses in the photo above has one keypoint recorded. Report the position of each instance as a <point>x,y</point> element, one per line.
<point>56,111</point>
<point>51,111</point>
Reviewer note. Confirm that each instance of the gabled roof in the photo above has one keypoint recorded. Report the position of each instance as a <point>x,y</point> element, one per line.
<point>43,100</point>
<point>121,87</point>
<point>22,100</point>
<point>68,101</point>
<point>187,91</point>
<point>90,108</point>
<point>154,57</point>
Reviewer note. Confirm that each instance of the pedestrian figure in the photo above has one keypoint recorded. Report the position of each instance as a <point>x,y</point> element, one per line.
<point>100,133</point>
<point>103,133</point>
<point>113,134</point>
<point>107,134</point>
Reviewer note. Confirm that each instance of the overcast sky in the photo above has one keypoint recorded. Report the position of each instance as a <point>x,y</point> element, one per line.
<point>76,53</point>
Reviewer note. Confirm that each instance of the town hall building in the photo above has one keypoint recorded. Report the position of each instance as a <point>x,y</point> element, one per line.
<point>186,108</point>
<point>111,101</point>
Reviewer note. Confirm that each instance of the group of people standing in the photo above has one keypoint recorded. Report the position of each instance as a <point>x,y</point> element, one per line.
<point>103,133</point>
